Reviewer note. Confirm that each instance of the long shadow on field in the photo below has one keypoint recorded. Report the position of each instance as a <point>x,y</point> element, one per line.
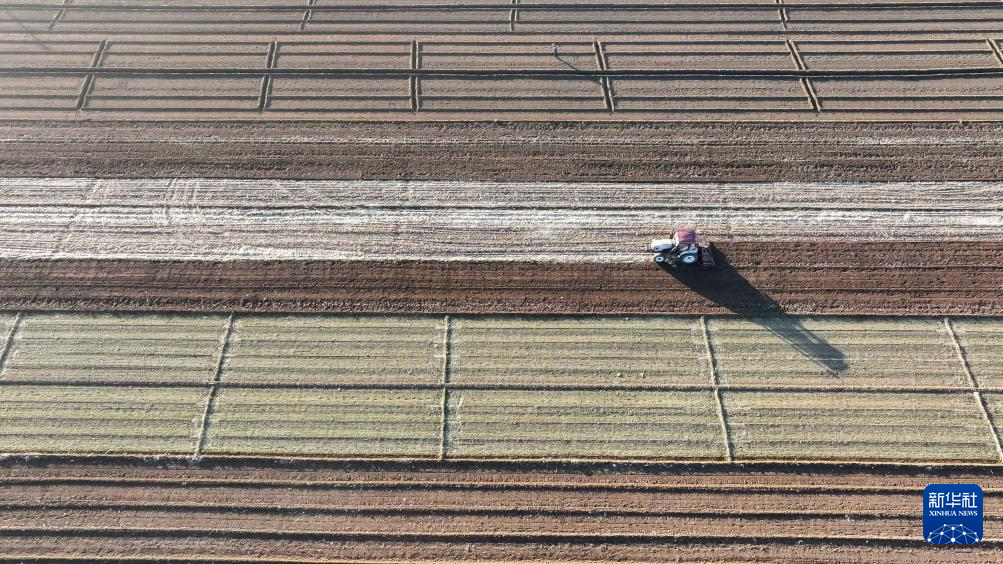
<point>725,286</point>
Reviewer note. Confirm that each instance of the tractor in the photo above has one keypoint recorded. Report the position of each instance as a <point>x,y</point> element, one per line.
<point>685,249</point>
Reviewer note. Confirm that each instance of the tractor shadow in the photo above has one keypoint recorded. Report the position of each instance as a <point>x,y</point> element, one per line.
<point>726,287</point>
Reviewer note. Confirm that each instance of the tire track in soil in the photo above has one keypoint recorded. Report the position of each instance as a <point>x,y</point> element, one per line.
<point>899,278</point>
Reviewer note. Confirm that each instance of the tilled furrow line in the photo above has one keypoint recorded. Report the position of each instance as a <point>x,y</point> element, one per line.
<point>154,548</point>
<point>364,511</point>
<point>538,499</point>
<point>505,151</point>
<point>462,527</point>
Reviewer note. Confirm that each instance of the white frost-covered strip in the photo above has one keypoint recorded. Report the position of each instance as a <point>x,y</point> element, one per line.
<point>223,220</point>
<point>460,194</point>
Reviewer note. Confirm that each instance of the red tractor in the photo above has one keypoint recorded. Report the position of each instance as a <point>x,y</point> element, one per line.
<point>685,248</point>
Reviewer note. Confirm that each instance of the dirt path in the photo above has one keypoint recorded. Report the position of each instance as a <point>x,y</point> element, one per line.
<point>793,277</point>
<point>439,511</point>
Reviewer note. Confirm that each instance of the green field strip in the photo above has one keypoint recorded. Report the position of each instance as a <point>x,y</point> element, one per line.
<point>898,353</point>
<point>578,352</point>
<point>982,342</point>
<point>147,348</point>
<point>356,423</point>
<point>331,350</point>
<point>583,424</point>
<point>858,426</point>
<point>57,419</point>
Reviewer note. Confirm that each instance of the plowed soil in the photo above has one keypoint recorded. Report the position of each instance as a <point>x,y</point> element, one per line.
<point>444,512</point>
<point>506,151</point>
<point>751,278</point>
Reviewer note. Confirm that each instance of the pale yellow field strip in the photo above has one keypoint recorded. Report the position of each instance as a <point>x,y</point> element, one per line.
<point>880,353</point>
<point>578,352</point>
<point>858,426</point>
<point>327,422</point>
<point>976,392</point>
<point>589,424</point>
<point>507,387</point>
<point>86,419</point>
<point>581,352</point>
<point>982,341</point>
<point>359,220</point>
<point>169,349</point>
<point>329,350</point>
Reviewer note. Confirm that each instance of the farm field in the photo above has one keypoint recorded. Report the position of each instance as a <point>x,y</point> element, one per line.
<point>481,247</point>
<point>507,151</point>
<point>501,388</point>
<point>814,277</point>
<point>488,17</point>
<point>307,280</point>
<point>605,61</point>
<point>205,219</point>
<point>110,509</point>
<point>759,62</point>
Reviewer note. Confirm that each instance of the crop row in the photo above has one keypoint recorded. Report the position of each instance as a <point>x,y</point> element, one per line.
<point>502,387</point>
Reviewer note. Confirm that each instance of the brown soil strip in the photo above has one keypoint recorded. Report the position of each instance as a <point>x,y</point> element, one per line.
<point>751,278</point>
<point>506,151</point>
<point>440,511</point>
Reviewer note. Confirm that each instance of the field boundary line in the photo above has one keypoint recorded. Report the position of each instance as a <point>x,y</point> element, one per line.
<point>88,85</point>
<point>714,384</point>
<point>224,345</point>
<point>784,17</point>
<point>458,73</point>
<point>474,536</point>
<point>59,15</point>
<point>447,334</point>
<point>266,80</point>
<point>307,14</point>
<point>412,80</point>
<point>468,510</point>
<point>8,341</point>
<point>806,85</point>
<point>355,34</point>
<point>995,46</point>
<point>809,91</point>
<point>416,386</point>
<point>603,62</point>
<point>966,366</point>
<point>958,465</point>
